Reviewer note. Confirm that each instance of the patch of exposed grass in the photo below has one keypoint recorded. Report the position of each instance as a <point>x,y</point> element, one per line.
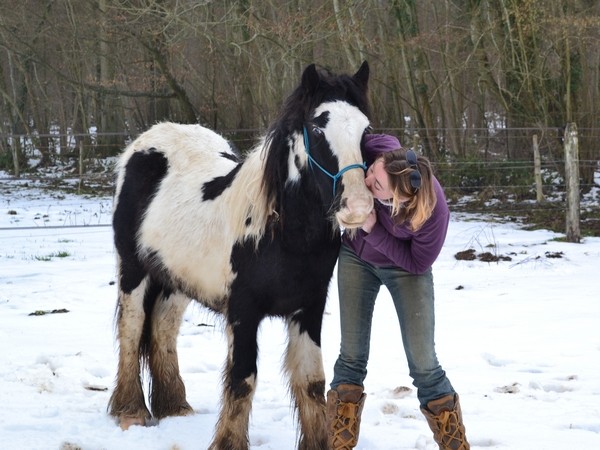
<point>60,254</point>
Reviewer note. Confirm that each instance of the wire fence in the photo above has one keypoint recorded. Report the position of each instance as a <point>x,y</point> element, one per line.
<point>492,173</point>
<point>486,144</point>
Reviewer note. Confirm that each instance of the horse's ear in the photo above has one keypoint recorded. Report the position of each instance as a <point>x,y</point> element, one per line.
<point>362,75</point>
<point>310,78</point>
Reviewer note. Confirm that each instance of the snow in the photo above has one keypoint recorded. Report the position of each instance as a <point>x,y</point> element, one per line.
<point>519,339</point>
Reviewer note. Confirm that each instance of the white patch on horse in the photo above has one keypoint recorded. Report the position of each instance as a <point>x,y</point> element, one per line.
<point>166,321</point>
<point>342,131</point>
<point>132,316</point>
<point>303,360</point>
<point>297,158</point>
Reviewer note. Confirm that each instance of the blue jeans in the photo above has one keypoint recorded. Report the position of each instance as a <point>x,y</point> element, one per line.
<point>358,284</point>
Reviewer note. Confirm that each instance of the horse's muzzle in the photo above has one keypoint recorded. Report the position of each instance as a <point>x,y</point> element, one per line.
<point>354,210</point>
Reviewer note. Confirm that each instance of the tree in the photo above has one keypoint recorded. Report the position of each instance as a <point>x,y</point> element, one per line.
<point>451,71</point>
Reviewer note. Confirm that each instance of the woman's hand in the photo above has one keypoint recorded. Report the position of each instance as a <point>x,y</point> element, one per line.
<point>370,222</point>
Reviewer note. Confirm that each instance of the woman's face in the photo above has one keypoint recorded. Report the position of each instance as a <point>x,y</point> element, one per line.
<point>377,181</point>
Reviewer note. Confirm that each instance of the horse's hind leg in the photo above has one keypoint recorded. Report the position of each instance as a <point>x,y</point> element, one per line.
<point>304,365</point>
<point>167,396</point>
<point>127,401</point>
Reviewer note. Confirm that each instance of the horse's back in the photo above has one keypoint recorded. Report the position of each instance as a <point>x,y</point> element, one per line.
<point>187,147</point>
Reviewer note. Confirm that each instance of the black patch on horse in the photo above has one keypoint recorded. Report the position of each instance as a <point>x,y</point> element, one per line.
<point>215,187</point>
<point>231,156</point>
<point>143,173</point>
<point>322,119</point>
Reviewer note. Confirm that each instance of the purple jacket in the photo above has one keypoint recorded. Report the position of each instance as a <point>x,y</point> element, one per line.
<point>391,245</point>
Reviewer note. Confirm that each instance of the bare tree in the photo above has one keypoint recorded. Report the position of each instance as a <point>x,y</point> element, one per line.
<point>442,69</point>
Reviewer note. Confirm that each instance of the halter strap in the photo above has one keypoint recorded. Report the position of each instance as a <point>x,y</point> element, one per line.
<point>335,177</point>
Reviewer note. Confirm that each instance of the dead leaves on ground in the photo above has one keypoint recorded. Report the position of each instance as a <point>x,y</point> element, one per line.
<point>471,255</point>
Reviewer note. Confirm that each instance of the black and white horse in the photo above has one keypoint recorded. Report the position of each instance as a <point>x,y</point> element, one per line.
<point>246,238</point>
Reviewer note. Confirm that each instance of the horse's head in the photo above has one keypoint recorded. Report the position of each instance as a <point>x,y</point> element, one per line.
<point>332,136</point>
<point>321,126</point>
<point>334,161</point>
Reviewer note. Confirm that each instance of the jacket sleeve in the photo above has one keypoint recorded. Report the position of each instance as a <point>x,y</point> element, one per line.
<point>416,253</point>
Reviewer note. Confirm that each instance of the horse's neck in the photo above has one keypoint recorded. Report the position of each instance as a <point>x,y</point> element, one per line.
<point>298,209</point>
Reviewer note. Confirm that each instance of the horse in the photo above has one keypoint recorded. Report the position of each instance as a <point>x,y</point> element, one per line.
<point>248,237</point>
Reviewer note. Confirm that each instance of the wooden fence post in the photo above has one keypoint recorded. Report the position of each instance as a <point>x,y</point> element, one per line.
<point>572,183</point>
<point>16,150</point>
<point>537,170</point>
<point>81,166</point>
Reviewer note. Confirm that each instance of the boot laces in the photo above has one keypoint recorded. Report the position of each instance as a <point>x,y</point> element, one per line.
<point>451,433</point>
<point>345,425</point>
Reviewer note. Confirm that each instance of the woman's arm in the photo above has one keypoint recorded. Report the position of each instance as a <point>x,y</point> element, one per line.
<point>417,252</point>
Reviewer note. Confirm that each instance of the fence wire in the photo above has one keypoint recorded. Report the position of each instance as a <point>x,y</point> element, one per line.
<point>491,171</point>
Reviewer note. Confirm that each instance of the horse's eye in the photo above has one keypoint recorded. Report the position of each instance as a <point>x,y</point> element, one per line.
<point>317,131</point>
<point>368,130</point>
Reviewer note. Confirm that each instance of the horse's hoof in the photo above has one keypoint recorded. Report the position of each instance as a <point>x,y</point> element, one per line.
<point>126,422</point>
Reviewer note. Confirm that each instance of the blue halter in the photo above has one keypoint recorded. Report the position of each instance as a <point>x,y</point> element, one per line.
<point>335,177</point>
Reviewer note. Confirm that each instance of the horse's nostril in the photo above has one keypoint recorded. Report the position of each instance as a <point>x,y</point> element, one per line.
<point>344,203</point>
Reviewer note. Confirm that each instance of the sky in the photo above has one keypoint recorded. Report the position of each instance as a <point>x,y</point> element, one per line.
<point>519,340</point>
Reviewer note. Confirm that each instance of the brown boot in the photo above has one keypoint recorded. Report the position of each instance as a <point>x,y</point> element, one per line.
<point>445,420</point>
<point>344,407</point>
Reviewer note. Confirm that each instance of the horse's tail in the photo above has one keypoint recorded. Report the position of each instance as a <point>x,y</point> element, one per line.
<point>153,292</point>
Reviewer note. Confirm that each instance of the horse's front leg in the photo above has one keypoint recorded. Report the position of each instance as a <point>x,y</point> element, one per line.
<point>239,384</point>
<point>304,365</point>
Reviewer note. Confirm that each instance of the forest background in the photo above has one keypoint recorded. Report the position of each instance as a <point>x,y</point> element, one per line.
<point>462,80</point>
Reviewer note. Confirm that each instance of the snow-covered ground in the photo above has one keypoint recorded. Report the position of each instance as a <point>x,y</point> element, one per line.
<point>519,339</point>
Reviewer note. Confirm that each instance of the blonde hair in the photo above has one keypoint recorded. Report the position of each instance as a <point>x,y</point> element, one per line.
<point>421,202</point>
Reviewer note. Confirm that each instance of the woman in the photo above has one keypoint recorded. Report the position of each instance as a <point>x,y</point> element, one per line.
<point>396,247</point>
